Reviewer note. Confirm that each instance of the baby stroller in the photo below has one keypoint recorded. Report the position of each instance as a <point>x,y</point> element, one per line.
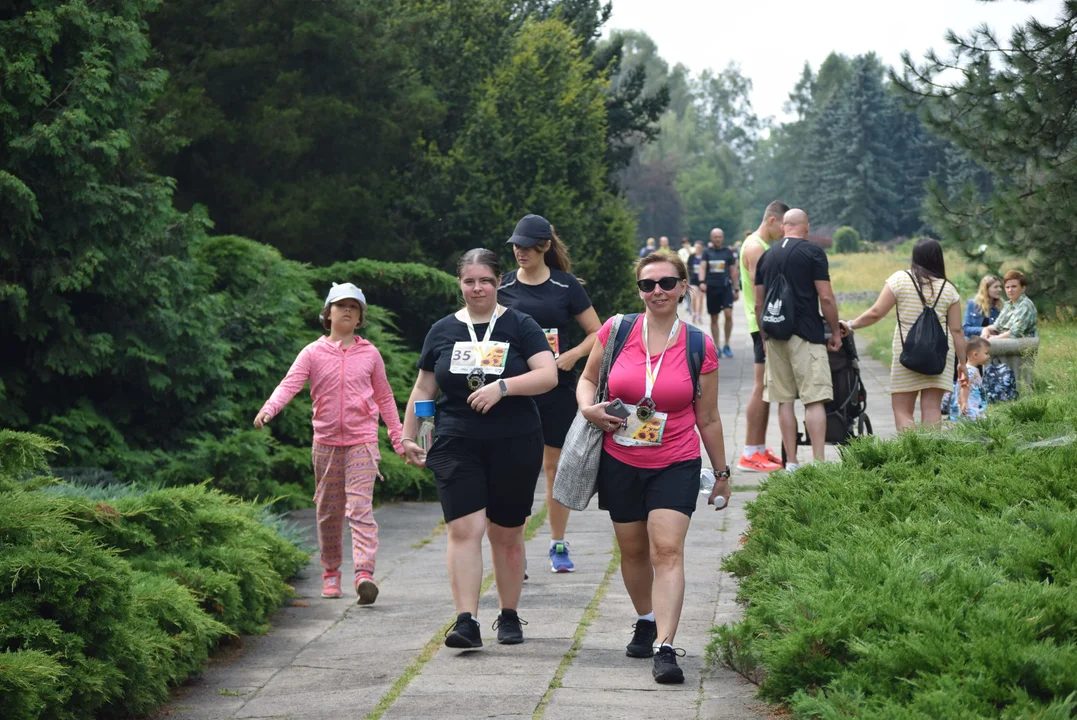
<point>846,414</point>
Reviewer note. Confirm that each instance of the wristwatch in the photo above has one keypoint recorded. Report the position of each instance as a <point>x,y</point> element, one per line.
<point>504,388</point>
<point>723,475</point>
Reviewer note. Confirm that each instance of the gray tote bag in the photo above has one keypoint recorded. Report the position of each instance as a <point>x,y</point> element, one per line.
<point>577,470</point>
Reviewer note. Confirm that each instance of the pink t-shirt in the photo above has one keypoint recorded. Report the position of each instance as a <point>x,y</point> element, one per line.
<point>673,394</point>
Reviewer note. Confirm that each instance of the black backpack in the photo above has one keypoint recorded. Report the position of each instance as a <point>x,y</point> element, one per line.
<point>779,304</point>
<point>925,347</point>
<point>697,347</point>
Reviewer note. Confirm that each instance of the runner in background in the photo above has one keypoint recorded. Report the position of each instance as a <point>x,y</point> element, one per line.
<point>757,456</point>
<point>720,280</point>
<point>695,295</point>
<point>543,288</point>
<point>684,253</point>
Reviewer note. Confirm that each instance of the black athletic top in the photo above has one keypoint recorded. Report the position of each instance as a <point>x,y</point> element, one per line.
<point>553,304</point>
<point>806,264</point>
<point>719,262</point>
<point>513,415</point>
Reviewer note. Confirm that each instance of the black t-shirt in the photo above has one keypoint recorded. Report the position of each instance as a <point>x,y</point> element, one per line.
<point>719,262</point>
<point>693,268</point>
<point>806,263</point>
<point>511,416</point>
<point>554,305</point>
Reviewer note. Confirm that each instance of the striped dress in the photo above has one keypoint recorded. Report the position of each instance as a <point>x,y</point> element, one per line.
<point>909,308</point>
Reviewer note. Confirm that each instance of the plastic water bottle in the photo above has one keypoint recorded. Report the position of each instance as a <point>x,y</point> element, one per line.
<point>706,485</point>
<point>424,413</point>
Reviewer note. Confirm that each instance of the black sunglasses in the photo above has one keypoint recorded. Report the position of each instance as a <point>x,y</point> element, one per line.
<point>666,283</point>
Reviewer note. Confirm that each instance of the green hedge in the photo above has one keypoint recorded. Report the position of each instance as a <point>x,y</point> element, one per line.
<point>931,576</point>
<point>109,598</point>
<point>261,311</point>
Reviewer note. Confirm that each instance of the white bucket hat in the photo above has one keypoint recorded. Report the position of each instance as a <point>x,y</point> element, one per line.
<point>342,292</point>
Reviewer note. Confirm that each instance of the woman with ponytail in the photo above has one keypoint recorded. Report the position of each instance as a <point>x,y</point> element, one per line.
<point>543,288</point>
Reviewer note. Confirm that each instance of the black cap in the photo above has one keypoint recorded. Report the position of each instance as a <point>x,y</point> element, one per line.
<point>531,231</point>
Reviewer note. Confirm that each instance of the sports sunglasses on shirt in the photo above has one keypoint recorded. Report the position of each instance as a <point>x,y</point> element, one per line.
<point>667,283</point>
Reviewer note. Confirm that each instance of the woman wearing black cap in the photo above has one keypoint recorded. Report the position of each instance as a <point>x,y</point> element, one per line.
<point>486,361</point>
<point>543,288</point>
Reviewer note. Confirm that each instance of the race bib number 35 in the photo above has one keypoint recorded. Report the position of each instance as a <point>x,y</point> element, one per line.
<point>489,356</point>
<point>554,339</point>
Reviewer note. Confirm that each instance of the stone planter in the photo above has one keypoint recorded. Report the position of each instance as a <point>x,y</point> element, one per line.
<point>1020,355</point>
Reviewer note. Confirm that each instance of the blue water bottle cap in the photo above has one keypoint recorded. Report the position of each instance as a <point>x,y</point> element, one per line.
<point>424,408</point>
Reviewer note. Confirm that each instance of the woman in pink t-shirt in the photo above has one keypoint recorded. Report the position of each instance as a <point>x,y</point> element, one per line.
<point>648,479</point>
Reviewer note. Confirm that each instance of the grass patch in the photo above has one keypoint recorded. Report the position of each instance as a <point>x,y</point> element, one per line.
<point>866,272</point>
<point>590,614</point>
<point>535,522</point>
<point>438,529</point>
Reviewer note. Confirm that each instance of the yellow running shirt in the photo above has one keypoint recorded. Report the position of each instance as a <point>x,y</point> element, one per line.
<point>747,288</point>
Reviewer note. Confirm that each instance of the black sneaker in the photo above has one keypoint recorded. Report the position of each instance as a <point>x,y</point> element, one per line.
<point>642,645</point>
<point>665,665</point>
<point>465,634</point>
<point>508,628</point>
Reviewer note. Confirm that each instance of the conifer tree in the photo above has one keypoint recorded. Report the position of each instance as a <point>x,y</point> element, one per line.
<point>1010,108</point>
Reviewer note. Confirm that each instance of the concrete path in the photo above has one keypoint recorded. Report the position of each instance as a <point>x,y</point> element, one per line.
<point>331,658</point>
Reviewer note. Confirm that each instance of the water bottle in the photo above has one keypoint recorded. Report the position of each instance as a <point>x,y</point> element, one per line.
<point>424,413</point>
<point>706,485</point>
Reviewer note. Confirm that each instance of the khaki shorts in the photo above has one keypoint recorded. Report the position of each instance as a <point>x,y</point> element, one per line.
<point>795,369</point>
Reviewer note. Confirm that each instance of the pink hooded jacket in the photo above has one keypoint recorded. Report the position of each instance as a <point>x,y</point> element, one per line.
<point>349,389</point>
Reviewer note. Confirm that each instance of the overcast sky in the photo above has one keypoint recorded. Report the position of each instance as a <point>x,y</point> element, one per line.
<point>771,39</point>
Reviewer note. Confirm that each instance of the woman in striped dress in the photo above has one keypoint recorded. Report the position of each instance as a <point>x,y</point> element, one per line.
<point>928,270</point>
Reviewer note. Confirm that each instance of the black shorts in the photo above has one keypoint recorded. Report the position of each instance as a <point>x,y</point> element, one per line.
<point>558,410</point>
<point>719,298</point>
<point>760,349</point>
<point>630,493</point>
<point>498,474</point>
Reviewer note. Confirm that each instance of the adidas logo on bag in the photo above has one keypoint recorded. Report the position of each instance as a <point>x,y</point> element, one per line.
<point>773,314</point>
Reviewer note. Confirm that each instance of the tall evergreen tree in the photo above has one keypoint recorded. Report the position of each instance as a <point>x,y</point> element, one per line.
<point>535,141</point>
<point>1010,108</point>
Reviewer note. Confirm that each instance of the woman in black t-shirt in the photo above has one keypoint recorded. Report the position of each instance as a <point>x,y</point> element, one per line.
<point>543,288</point>
<point>487,361</point>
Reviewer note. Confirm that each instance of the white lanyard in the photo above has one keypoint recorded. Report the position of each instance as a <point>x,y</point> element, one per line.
<point>471,327</point>
<point>652,375</point>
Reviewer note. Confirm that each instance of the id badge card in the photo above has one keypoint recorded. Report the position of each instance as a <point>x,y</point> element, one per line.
<point>636,433</point>
<point>554,339</point>
<point>490,357</point>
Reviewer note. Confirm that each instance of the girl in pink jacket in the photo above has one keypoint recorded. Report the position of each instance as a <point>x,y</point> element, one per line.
<point>349,389</point>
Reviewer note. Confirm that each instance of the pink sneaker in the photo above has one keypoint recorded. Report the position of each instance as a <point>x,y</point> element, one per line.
<point>365,588</point>
<point>757,463</point>
<point>331,584</point>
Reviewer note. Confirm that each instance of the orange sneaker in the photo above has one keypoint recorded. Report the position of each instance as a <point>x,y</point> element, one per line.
<point>331,584</point>
<point>757,463</point>
<point>769,455</point>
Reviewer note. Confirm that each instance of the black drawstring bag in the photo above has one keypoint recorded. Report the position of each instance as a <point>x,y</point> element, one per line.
<point>925,348</point>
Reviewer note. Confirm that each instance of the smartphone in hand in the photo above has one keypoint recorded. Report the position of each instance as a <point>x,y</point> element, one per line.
<point>617,409</point>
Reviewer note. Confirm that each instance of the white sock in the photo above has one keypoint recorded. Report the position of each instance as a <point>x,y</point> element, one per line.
<point>791,466</point>
<point>666,645</point>
<point>750,450</point>
<point>554,542</point>
<point>649,617</point>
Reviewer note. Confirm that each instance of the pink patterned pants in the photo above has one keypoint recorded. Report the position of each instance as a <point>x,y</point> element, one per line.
<point>344,479</point>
